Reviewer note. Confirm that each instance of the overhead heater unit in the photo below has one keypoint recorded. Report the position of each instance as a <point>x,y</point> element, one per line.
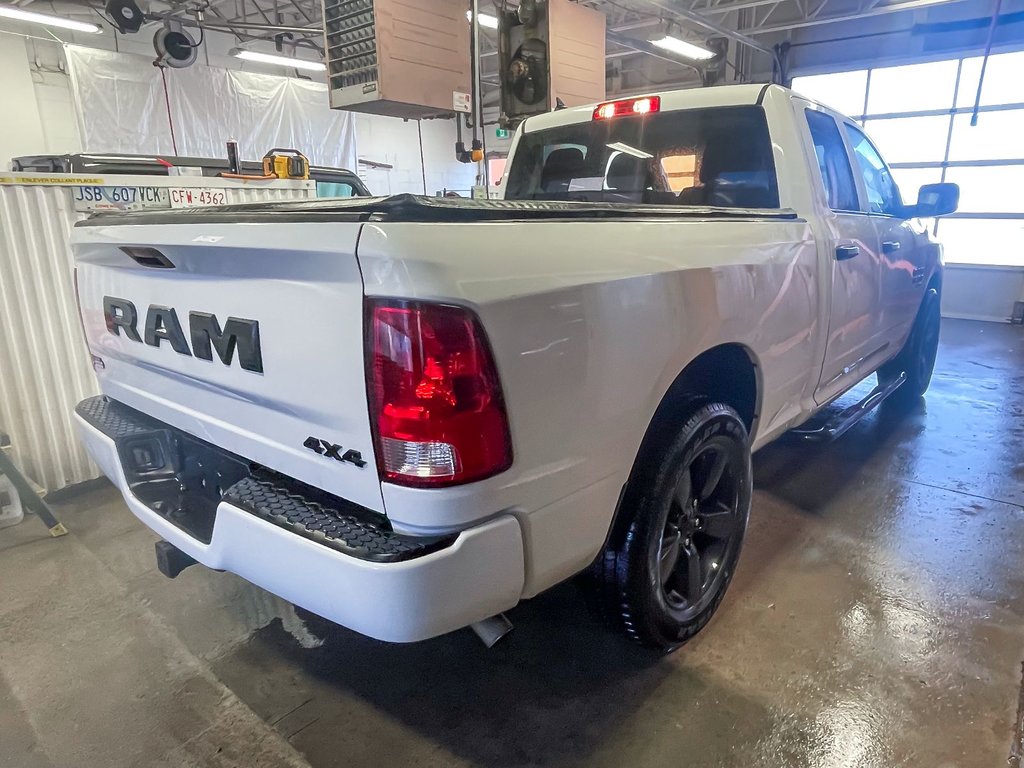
<point>550,51</point>
<point>403,58</point>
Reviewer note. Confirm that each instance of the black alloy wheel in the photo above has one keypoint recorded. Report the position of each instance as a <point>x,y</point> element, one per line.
<point>700,530</point>
<point>679,529</point>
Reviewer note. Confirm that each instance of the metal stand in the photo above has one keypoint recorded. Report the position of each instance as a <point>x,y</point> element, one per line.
<point>30,499</point>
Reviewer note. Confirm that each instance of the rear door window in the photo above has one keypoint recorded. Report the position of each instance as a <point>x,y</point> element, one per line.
<point>833,162</point>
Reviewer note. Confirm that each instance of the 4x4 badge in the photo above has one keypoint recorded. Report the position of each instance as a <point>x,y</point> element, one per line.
<point>330,450</point>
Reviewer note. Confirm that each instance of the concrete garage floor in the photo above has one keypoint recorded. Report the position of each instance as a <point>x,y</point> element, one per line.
<point>876,619</point>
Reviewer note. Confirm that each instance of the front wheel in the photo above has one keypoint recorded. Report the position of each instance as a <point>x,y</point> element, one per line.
<point>683,519</point>
<point>917,358</point>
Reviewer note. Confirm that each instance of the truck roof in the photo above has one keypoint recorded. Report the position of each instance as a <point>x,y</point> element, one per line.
<point>689,98</point>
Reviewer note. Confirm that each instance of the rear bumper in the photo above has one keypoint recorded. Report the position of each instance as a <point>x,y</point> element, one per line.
<point>479,574</point>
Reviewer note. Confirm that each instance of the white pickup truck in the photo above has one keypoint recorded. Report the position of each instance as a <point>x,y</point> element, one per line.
<point>408,414</point>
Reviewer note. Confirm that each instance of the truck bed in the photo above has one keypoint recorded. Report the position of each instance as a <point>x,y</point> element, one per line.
<point>421,208</point>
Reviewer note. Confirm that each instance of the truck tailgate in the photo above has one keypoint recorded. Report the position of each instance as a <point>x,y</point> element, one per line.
<point>276,375</point>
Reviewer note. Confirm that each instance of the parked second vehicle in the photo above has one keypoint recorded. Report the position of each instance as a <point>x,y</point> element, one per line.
<point>409,414</point>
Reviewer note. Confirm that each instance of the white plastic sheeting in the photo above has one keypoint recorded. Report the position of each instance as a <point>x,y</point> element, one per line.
<point>45,368</point>
<point>121,107</point>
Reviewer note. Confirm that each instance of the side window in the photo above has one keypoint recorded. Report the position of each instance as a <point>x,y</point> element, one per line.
<point>334,189</point>
<point>840,188</point>
<point>883,196</point>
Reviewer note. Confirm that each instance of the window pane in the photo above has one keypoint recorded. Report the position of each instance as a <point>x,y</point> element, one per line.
<point>910,139</point>
<point>883,197</point>
<point>997,136</point>
<point>620,160</point>
<point>910,180</point>
<point>983,241</point>
<point>842,91</point>
<point>680,170</point>
<point>334,189</point>
<point>1002,80</point>
<point>833,162</point>
<point>912,87</point>
<point>990,189</point>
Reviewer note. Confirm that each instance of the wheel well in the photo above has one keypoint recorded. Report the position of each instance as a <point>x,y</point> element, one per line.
<point>725,374</point>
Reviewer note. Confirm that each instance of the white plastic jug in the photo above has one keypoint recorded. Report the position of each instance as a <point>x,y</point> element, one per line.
<point>11,512</point>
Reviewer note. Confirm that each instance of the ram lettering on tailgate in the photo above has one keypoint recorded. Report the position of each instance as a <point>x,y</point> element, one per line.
<point>205,331</point>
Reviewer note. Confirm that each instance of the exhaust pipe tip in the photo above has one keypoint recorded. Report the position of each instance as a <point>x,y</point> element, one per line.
<point>493,629</point>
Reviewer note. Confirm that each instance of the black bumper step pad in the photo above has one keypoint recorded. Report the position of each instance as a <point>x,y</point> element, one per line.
<point>331,521</point>
<point>183,479</point>
<point>114,419</point>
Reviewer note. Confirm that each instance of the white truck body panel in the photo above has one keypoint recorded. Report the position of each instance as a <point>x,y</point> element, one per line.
<point>308,298</point>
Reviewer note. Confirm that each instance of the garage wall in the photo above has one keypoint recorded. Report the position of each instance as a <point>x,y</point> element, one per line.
<point>38,91</point>
<point>975,292</point>
<point>20,134</point>
<point>396,142</point>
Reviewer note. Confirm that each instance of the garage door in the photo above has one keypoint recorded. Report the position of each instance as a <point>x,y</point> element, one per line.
<point>920,117</point>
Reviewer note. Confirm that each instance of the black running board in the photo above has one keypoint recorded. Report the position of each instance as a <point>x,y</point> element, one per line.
<point>838,424</point>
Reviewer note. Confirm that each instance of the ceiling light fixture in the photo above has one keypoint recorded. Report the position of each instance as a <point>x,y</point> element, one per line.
<point>619,146</point>
<point>486,20</point>
<point>10,12</point>
<point>281,61</point>
<point>681,47</point>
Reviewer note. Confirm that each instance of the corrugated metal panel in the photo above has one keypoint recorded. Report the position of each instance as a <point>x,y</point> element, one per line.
<point>44,364</point>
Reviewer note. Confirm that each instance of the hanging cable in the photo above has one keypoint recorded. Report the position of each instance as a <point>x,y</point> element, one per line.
<point>167,101</point>
<point>984,61</point>
<point>199,42</point>
<point>423,162</point>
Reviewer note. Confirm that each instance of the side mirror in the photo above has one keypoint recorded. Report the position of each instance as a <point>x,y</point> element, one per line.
<point>934,200</point>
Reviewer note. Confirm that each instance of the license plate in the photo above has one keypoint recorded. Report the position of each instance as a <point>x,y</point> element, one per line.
<point>197,197</point>
<point>115,198</point>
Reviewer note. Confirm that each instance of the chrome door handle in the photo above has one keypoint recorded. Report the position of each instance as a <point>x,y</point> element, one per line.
<point>890,246</point>
<point>844,252</point>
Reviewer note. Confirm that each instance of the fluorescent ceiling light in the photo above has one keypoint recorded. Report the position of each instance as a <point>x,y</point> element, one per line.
<point>486,20</point>
<point>681,47</point>
<point>282,61</point>
<point>10,12</point>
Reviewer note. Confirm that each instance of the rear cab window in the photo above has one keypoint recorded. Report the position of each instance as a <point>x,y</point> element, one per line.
<point>716,156</point>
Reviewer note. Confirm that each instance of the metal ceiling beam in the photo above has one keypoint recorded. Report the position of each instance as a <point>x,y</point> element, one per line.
<point>730,7</point>
<point>706,23</point>
<point>855,16</point>
<point>220,23</point>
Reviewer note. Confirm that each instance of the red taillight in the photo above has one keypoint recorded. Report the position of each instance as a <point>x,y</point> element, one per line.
<point>435,396</point>
<point>641,106</point>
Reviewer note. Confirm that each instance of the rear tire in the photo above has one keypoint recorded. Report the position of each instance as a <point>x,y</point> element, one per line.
<point>679,530</point>
<point>917,358</point>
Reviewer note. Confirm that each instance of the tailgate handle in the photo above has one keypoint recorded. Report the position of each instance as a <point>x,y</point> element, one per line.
<point>148,257</point>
